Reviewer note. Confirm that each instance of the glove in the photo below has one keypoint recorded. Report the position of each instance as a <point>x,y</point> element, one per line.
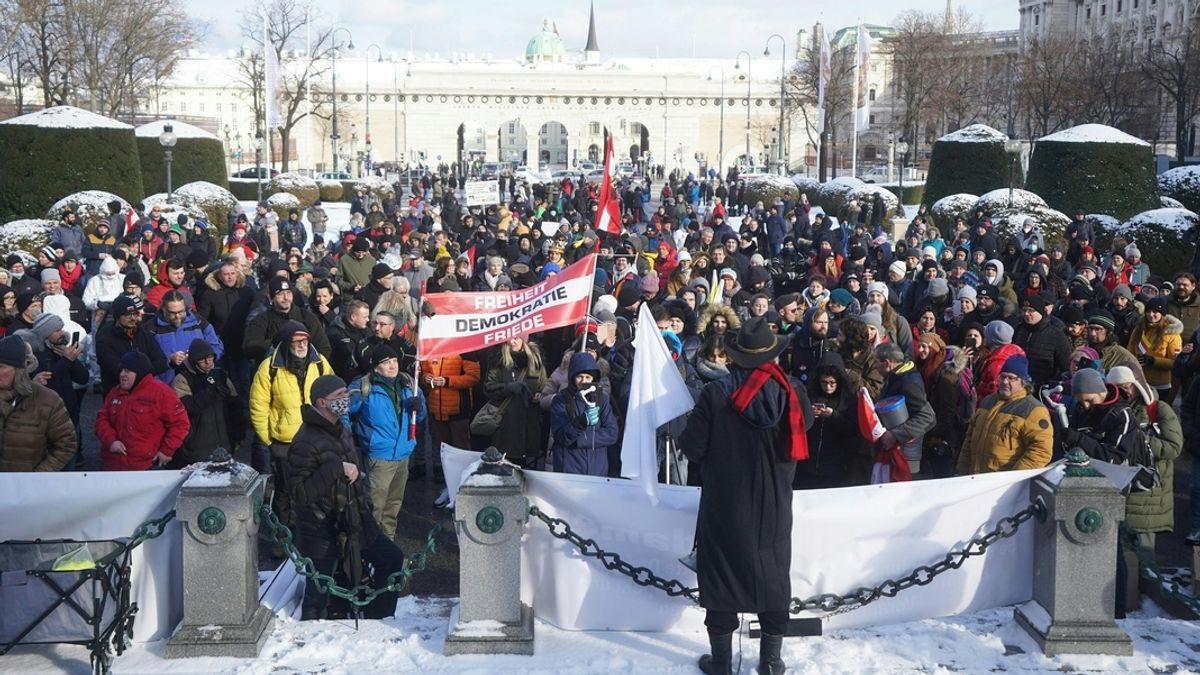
<point>516,388</point>
<point>1146,360</point>
<point>1069,436</point>
<point>592,416</point>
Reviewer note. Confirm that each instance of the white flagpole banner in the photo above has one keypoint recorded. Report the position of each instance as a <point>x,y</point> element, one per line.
<point>466,322</point>
<point>825,60</point>
<point>270,78</point>
<point>863,59</point>
<point>842,539</point>
<point>107,505</point>
<point>657,395</point>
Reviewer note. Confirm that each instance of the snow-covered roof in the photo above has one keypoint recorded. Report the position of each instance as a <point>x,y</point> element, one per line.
<point>66,117</point>
<point>180,129</point>
<point>1093,133</point>
<point>976,133</point>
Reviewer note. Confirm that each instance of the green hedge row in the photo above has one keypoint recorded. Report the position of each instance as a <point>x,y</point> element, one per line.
<point>973,168</point>
<point>193,159</point>
<point>1113,178</point>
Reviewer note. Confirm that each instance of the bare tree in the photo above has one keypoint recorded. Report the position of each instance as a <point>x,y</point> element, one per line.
<point>288,24</point>
<point>40,49</point>
<point>803,87</point>
<point>1046,75</point>
<point>1175,68</point>
<point>1109,87</point>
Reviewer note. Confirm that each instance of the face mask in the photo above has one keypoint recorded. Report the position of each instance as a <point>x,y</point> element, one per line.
<point>17,276</point>
<point>339,406</point>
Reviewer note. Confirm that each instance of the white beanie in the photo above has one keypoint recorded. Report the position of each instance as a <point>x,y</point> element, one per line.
<point>969,293</point>
<point>877,287</point>
<point>898,268</point>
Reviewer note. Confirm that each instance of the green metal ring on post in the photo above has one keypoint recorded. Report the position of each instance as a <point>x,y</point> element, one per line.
<point>1089,520</point>
<point>211,520</point>
<point>489,520</point>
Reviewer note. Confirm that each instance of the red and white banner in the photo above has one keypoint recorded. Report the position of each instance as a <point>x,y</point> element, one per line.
<point>467,322</point>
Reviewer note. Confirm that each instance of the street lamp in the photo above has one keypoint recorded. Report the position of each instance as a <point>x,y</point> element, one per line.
<point>782,72</point>
<point>367,68</point>
<point>902,150</point>
<point>258,167</point>
<point>333,138</point>
<point>721,136</point>
<point>1013,147</point>
<point>737,64</point>
<point>167,139</point>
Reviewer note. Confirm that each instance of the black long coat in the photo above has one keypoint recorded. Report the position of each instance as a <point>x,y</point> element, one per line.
<point>744,529</point>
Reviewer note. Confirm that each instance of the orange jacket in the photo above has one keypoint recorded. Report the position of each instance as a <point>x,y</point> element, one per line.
<point>453,398</point>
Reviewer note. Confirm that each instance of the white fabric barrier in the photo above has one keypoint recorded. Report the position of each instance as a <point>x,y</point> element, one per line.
<point>842,539</point>
<point>106,505</point>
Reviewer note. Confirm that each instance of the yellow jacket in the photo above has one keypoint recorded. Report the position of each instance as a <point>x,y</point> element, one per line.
<point>1007,436</point>
<point>276,399</point>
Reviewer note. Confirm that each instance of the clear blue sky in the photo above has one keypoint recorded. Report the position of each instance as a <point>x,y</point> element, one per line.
<point>716,28</point>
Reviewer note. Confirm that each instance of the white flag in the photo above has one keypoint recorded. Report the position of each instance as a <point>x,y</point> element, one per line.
<point>862,62</point>
<point>270,78</point>
<point>824,65</point>
<point>657,395</point>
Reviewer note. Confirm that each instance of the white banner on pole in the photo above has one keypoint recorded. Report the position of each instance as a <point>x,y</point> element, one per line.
<point>482,192</point>
<point>842,539</point>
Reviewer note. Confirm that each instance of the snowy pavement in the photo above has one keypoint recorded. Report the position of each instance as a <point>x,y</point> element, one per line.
<point>974,643</point>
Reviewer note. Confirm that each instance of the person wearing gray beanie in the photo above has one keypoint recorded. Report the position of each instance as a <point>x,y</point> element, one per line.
<point>998,333</point>
<point>1088,381</point>
<point>47,325</point>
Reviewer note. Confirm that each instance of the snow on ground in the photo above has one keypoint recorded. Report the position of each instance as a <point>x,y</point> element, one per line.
<point>975,133</point>
<point>66,117</point>
<point>988,641</point>
<point>180,129</point>
<point>1093,133</point>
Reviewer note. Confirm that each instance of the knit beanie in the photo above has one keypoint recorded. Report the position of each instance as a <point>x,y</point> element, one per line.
<point>841,296</point>
<point>1017,365</point>
<point>933,340</point>
<point>325,385</point>
<point>136,363</point>
<point>12,351</point>
<point>998,333</point>
<point>1102,318</point>
<point>199,350</point>
<point>1088,381</point>
<point>50,275</point>
<point>46,325</point>
<point>969,293</point>
<point>878,287</point>
<point>898,268</point>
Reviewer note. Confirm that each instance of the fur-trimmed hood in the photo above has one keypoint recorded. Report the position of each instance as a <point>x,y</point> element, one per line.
<point>726,311</point>
<point>214,284</point>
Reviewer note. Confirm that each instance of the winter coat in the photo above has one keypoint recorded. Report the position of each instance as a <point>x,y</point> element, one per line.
<point>833,441</point>
<point>276,394</point>
<point>1154,510</point>
<point>36,433</point>
<point>171,339</point>
<point>104,286</point>
<point>316,481</point>
<point>317,218</point>
<point>354,272</point>
<point>906,381</point>
<point>215,413</point>
<point>1047,348</point>
<point>346,342</point>
<point>744,525</point>
<point>261,331</point>
<point>1107,431</point>
<point>148,419</point>
<point>987,372</point>
<point>864,372</point>
<point>65,374</point>
<point>807,352</point>
<point>112,342</point>
<point>1007,435</point>
<point>520,435</point>
<point>1159,354</point>
<point>226,309</point>
<point>69,237</point>
<point>92,248</point>
<point>580,447</point>
<point>1187,311</point>
<point>952,407</point>
<point>381,411</point>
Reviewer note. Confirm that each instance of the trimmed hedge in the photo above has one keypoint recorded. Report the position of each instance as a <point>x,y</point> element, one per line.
<point>1099,177</point>
<point>41,164</point>
<point>767,188</point>
<point>25,235</point>
<point>968,167</point>
<point>303,188</point>
<point>1181,184</point>
<point>246,190</point>
<point>1158,234</point>
<point>193,159</point>
<point>914,193</point>
<point>947,209</point>
<point>833,194</point>
<point>331,190</point>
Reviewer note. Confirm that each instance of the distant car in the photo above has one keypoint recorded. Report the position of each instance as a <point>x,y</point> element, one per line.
<point>334,175</point>
<point>563,173</point>
<point>587,166</point>
<point>874,175</point>
<point>625,169</point>
<point>758,169</point>
<point>489,170</point>
<point>256,172</point>
<point>594,175</point>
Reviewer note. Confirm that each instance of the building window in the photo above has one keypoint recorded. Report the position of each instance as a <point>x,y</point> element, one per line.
<point>182,107</point>
<point>512,127</point>
<point>232,107</point>
<point>1119,3</point>
<point>871,120</point>
<point>1037,19</point>
<point>594,128</point>
<point>1088,14</point>
<point>218,108</point>
<point>202,107</point>
<point>871,95</point>
<point>166,107</point>
<point>1103,10</point>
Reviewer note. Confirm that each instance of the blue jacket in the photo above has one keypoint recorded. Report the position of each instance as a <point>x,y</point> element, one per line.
<point>382,416</point>
<point>172,339</point>
<point>579,447</point>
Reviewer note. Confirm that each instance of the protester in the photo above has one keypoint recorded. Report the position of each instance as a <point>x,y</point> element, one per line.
<point>37,429</point>
<point>142,422</point>
<point>212,404</point>
<point>514,382</point>
<point>582,422</point>
<point>1011,430</point>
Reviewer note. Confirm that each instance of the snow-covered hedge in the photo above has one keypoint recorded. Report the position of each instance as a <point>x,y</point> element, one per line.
<point>1158,233</point>
<point>999,199</point>
<point>304,189</point>
<point>282,202</point>
<point>768,188</point>
<point>1007,217</point>
<point>833,194</point>
<point>172,209</point>
<point>865,196</point>
<point>1103,224</point>
<point>215,201</point>
<point>1094,167</point>
<point>374,184</point>
<point>25,236</point>
<point>1183,185</point>
<point>947,209</point>
<point>197,156</point>
<point>807,185</point>
<point>970,160</point>
<point>331,190</point>
<point>55,152</point>
<point>90,205</point>
<point>1166,202</point>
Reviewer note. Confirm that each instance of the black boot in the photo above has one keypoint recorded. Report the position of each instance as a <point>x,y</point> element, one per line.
<point>720,662</point>
<point>769,661</point>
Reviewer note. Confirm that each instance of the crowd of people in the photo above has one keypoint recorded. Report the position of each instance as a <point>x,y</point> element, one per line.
<point>1004,351</point>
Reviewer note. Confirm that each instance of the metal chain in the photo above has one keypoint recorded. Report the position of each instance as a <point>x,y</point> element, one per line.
<point>1149,570</point>
<point>360,595</point>
<point>825,602</point>
<point>151,529</point>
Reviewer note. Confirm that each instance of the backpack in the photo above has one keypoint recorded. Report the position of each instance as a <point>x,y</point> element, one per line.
<point>1142,457</point>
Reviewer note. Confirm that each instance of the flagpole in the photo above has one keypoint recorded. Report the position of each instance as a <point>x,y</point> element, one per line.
<point>854,106</point>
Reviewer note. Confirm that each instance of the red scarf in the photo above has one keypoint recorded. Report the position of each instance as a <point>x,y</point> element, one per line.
<point>798,438</point>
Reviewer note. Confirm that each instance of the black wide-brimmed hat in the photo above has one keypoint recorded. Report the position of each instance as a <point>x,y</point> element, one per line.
<point>754,344</point>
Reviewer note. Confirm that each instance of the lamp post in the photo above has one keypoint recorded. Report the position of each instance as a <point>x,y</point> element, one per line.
<point>258,167</point>
<point>228,144</point>
<point>333,138</point>
<point>737,64</point>
<point>1013,147</point>
<point>782,93</point>
<point>167,140</point>
<point>902,150</point>
<point>367,68</point>
<point>721,134</point>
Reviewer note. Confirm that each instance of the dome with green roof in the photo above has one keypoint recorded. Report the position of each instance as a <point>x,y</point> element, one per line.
<point>546,45</point>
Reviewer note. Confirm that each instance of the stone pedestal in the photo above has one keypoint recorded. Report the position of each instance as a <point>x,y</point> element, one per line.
<point>1074,564</point>
<point>218,509</point>
<point>490,513</point>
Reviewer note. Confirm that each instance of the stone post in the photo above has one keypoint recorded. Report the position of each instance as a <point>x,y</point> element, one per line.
<point>490,513</point>
<point>218,509</point>
<point>1075,562</point>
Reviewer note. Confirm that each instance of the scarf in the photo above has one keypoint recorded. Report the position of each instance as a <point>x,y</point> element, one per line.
<point>798,438</point>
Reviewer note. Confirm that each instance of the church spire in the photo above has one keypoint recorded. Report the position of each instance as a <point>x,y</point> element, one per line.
<point>949,27</point>
<point>591,41</point>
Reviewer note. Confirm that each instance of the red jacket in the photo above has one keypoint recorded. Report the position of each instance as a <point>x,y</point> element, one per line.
<point>148,420</point>
<point>989,372</point>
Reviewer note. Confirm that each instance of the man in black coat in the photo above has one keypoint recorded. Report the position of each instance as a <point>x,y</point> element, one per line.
<point>746,432</point>
<point>347,335</point>
<point>1046,345</point>
<point>262,329</point>
<point>225,304</point>
<point>322,476</point>
<point>120,335</point>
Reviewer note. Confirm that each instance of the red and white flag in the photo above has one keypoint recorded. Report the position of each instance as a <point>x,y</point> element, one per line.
<point>467,322</point>
<point>471,262</point>
<point>869,425</point>
<point>608,212</point>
